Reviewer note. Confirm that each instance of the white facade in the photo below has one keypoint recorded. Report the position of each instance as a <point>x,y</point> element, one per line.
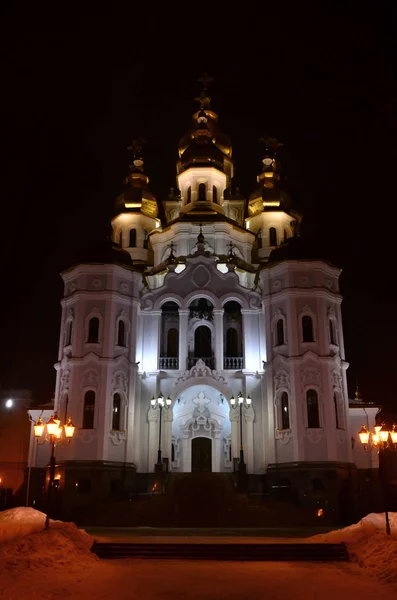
<point>156,319</point>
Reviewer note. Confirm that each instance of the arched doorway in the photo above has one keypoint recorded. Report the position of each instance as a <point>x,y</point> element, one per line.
<point>201,455</point>
<point>201,431</point>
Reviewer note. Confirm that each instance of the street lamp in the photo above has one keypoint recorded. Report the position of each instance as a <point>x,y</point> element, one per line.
<point>382,439</point>
<point>56,435</point>
<point>159,403</point>
<point>238,405</point>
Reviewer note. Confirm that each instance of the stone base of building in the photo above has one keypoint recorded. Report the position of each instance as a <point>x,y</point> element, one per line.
<point>288,495</point>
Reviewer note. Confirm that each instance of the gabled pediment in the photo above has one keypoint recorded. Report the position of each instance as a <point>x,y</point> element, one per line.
<point>200,275</point>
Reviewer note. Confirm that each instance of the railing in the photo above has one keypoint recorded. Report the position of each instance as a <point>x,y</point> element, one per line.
<point>233,362</point>
<point>168,362</point>
<point>209,361</point>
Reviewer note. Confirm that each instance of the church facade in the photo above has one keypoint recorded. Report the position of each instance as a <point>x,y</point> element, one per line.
<point>204,340</point>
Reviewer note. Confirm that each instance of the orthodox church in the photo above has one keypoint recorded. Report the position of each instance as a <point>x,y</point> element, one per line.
<point>209,339</point>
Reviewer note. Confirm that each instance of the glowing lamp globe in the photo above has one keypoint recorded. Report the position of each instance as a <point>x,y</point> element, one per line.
<point>38,428</point>
<point>363,434</point>
<point>69,429</point>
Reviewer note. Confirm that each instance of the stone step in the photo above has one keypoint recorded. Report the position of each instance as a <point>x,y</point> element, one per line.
<point>283,551</point>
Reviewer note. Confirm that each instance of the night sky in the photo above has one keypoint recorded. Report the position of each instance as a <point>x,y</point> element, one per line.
<point>76,89</point>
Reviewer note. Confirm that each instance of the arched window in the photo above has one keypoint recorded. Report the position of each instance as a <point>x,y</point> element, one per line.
<point>132,238</point>
<point>145,239</point>
<point>273,236</point>
<point>89,410</point>
<point>121,239</point>
<point>231,342</point>
<point>116,418</point>
<point>172,342</point>
<point>332,338</point>
<point>307,329</point>
<point>284,411</point>
<point>313,415</point>
<point>69,331</point>
<point>202,193</point>
<point>214,194</point>
<point>259,238</point>
<point>336,408</point>
<point>172,452</point>
<point>280,332</point>
<point>93,331</point>
<point>189,195</point>
<point>121,333</point>
<point>202,342</point>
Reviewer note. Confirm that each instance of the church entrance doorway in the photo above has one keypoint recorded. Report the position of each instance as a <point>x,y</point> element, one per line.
<point>201,455</point>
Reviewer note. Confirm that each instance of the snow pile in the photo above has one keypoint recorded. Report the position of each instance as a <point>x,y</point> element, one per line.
<point>30,547</point>
<point>369,545</point>
<point>21,521</point>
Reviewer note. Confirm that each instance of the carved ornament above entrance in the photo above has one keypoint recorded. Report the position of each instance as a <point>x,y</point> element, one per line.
<point>200,369</point>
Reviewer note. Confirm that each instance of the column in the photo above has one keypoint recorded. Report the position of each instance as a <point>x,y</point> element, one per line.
<point>248,442</point>
<point>153,417</point>
<point>234,416</point>
<point>183,329</point>
<point>167,436</point>
<point>252,358</point>
<point>218,319</point>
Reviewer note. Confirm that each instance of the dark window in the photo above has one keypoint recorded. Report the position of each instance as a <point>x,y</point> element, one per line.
<point>331,332</point>
<point>336,411</point>
<point>280,332</point>
<point>284,411</point>
<point>172,452</point>
<point>214,194</point>
<point>202,192</point>
<point>313,416</point>
<point>116,486</point>
<point>172,342</point>
<point>69,333</point>
<point>83,486</point>
<point>259,239</point>
<point>93,331</point>
<point>89,410</point>
<point>121,333</point>
<point>132,238</point>
<point>121,239</point>
<point>307,329</point>
<point>231,342</point>
<point>189,195</point>
<point>145,239</point>
<point>273,236</point>
<point>202,342</point>
<point>116,412</point>
<point>317,485</point>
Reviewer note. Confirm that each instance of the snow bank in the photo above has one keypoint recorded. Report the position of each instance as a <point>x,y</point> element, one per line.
<point>368,544</point>
<point>29,545</point>
<point>21,521</point>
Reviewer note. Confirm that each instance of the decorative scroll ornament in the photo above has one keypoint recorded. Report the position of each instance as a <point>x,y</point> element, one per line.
<point>91,379</point>
<point>200,369</point>
<point>310,377</point>
<point>65,379</point>
<point>281,380</point>
<point>120,381</point>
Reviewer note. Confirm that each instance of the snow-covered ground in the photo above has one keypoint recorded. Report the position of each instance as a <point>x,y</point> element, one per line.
<point>57,563</point>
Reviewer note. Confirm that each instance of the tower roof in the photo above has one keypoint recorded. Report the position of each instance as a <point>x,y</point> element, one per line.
<point>136,196</point>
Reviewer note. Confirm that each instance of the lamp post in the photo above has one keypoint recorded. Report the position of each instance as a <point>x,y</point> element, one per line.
<point>382,439</point>
<point>238,405</point>
<point>56,435</point>
<point>159,403</point>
